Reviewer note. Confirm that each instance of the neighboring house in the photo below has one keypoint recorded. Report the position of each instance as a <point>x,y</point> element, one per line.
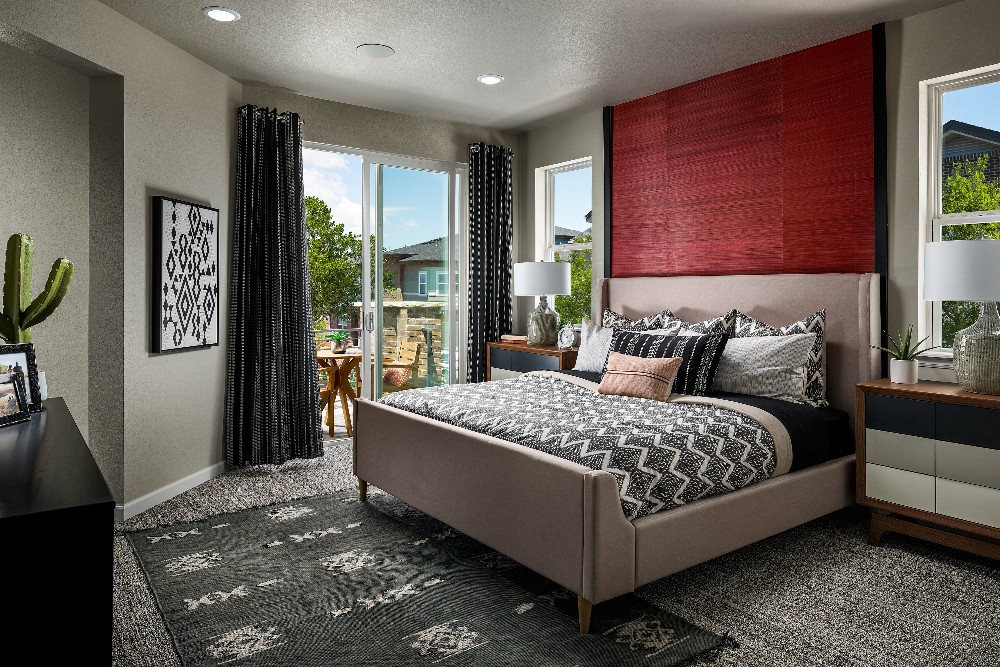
<point>566,235</point>
<point>962,141</point>
<point>420,270</point>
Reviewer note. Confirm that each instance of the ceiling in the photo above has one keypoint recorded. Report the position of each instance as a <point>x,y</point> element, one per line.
<point>555,55</point>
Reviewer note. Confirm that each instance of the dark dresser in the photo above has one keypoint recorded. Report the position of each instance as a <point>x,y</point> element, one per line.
<point>56,540</point>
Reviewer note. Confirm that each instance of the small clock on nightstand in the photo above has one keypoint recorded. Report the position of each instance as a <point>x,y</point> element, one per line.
<point>569,336</point>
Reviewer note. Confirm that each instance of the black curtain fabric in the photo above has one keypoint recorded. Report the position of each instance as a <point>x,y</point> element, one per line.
<point>272,393</point>
<point>491,231</point>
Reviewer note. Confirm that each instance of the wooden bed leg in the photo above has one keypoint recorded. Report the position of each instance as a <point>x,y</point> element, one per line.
<point>876,529</point>
<point>584,608</point>
<point>362,490</point>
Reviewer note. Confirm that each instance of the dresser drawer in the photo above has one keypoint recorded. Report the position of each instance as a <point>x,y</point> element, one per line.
<point>526,362</point>
<point>501,359</point>
<point>896,450</point>
<point>502,374</point>
<point>965,463</point>
<point>901,487</point>
<point>899,415</point>
<point>978,504</point>
<point>968,425</point>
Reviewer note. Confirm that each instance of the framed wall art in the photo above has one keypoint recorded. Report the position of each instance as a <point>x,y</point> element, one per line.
<point>185,275</point>
<point>17,363</point>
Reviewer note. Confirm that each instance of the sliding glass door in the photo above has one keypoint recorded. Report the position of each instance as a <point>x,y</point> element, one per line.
<point>386,263</point>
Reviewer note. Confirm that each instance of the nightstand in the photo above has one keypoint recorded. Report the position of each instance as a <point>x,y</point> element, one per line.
<point>929,463</point>
<point>508,360</point>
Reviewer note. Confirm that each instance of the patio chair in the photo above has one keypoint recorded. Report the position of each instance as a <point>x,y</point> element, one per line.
<point>403,371</point>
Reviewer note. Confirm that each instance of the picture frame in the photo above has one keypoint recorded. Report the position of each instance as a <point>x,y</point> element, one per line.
<point>12,407</point>
<point>185,275</point>
<point>18,360</point>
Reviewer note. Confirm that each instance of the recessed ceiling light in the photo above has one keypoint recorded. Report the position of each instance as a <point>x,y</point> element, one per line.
<point>375,50</point>
<point>490,79</point>
<point>223,14</point>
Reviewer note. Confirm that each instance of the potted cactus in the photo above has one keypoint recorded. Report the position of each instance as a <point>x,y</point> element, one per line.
<point>902,349</point>
<point>20,311</point>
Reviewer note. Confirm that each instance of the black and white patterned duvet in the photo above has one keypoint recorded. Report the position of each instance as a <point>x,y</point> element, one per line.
<point>662,454</point>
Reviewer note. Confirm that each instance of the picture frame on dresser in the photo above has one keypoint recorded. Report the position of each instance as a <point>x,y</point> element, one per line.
<point>185,268</point>
<point>18,360</point>
<point>928,464</point>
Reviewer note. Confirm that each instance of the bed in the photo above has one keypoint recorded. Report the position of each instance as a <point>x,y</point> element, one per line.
<point>565,520</point>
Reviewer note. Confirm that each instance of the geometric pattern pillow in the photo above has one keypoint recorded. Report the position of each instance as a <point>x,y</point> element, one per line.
<point>699,355</point>
<point>673,325</point>
<point>769,366</point>
<point>746,327</point>
<point>613,320</point>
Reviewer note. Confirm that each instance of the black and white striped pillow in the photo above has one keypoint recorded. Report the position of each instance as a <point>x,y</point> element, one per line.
<point>700,356</point>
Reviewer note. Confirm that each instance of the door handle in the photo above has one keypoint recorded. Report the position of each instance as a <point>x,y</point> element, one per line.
<point>370,322</point>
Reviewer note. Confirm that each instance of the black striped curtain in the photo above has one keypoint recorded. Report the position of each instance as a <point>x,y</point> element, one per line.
<point>491,231</point>
<point>272,392</point>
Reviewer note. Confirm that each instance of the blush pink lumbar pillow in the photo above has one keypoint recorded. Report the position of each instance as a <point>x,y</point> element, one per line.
<point>639,377</point>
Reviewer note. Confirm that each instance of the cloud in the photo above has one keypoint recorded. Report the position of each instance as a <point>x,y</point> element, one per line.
<point>323,177</point>
<point>349,213</point>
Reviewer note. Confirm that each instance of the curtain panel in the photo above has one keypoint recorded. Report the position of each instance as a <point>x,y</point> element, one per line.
<point>272,392</point>
<point>491,231</point>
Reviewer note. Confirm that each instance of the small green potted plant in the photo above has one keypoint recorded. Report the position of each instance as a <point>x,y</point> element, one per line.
<point>338,340</point>
<point>904,352</point>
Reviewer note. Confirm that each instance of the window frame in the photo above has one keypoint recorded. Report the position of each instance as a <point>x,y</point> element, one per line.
<point>441,283</point>
<point>932,92</point>
<point>422,283</point>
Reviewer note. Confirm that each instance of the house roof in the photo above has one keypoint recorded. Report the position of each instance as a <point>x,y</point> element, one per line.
<point>957,127</point>
<point>428,251</point>
<point>571,233</point>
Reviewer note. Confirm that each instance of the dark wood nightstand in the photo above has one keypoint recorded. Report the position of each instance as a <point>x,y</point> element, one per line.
<point>508,360</point>
<point>929,463</point>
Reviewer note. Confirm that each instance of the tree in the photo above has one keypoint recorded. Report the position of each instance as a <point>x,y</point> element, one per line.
<point>334,262</point>
<point>966,190</point>
<point>575,306</point>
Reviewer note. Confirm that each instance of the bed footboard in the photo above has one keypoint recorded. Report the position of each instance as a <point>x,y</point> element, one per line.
<point>560,519</point>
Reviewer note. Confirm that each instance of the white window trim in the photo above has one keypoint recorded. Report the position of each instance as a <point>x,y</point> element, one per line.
<point>929,207</point>
<point>441,281</point>
<point>422,283</point>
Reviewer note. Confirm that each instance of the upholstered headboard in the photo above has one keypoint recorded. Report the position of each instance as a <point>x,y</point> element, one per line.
<point>851,301</point>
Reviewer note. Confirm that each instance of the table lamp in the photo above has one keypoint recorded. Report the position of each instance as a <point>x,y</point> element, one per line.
<point>541,279</point>
<point>969,271</point>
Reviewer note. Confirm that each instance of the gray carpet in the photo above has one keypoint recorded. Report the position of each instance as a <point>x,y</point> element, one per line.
<point>816,595</point>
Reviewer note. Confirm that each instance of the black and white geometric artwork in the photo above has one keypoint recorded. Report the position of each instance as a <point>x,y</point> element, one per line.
<point>185,275</point>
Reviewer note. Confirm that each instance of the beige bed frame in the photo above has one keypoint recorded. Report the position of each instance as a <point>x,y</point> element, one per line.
<point>564,520</point>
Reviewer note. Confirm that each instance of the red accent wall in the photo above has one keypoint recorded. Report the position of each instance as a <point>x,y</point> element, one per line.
<point>765,169</point>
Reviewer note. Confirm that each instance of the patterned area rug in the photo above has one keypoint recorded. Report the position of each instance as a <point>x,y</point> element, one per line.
<point>331,581</point>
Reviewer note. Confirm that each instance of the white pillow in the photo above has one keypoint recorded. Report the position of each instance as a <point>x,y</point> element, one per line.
<point>595,343</point>
<point>769,366</point>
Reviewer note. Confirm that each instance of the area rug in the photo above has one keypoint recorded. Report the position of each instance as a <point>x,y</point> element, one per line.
<point>331,581</point>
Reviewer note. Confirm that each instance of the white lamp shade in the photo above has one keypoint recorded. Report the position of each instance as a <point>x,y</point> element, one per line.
<point>962,271</point>
<point>541,278</point>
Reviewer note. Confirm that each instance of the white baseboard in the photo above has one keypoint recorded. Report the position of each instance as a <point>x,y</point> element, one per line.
<point>167,492</point>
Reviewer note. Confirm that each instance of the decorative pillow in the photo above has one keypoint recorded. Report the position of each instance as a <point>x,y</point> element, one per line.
<point>638,377</point>
<point>595,341</point>
<point>699,356</point>
<point>613,320</point>
<point>770,366</point>
<point>747,327</point>
<point>675,326</point>
<point>397,377</point>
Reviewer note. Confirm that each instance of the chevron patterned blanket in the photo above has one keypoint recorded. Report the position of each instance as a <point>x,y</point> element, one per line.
<point>663,455</point>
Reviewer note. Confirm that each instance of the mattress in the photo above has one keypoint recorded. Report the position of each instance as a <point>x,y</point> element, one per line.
<point>818,435</point>
<point>662,454</point>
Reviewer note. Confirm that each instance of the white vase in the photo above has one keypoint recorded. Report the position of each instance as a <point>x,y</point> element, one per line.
<point>903,371</point>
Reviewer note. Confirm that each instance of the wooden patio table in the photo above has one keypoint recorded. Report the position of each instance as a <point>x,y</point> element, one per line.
<point>338,367</point>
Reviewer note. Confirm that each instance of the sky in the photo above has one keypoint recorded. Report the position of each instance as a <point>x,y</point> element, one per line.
<point>978,105</point>
<point>415,203</point>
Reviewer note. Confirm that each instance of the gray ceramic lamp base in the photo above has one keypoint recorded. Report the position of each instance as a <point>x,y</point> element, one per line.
<point>977,352</point>
<point>542,324</point>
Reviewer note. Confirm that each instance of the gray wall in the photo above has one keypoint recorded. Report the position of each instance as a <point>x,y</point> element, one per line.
<point>177,120</point>
<point>565,138</point>
<point>44,181</point>
<point>945,41</point>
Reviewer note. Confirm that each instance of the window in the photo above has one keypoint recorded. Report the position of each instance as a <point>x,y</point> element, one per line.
<point>568,232</point>
<point>962,191</point>
<point>442,283</point>
<point>422,282</point>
